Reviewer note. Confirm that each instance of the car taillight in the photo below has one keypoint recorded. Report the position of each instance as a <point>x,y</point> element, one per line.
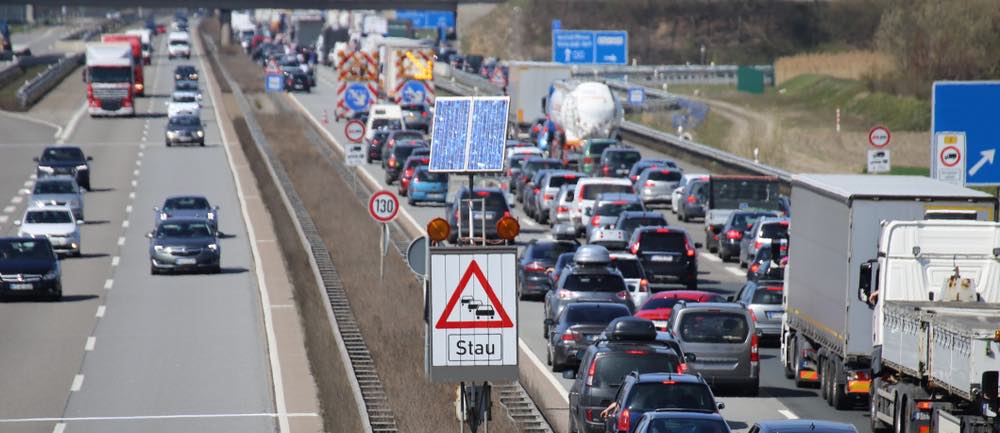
<point>536,190</point>
<point>756,245</point>
<point>392,161</point>
<point>754,354</point>
<point>635,248</point>
<point>547,197</point>
<point>753,316</point>
<point>569,336</point>
<point>734,235</point>
<point>623,420</point>
<point>754,267</point>
<point>605,170</point>
<point>623,295</point>
<point>423,114</point>
<point>409,172</point>
<point>589,413</point>
<point>690,250</point>
<point>591,371</point>
<point>562,209</point>
<point>643,285</point>
<point>682,368</point>
<point>534,267</point>
<point>595,220</point>
<point>649,184</point>
<point>691,199</point>
<point>587,160</point>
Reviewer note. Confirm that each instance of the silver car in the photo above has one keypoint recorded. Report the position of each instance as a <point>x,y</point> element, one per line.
<point>763,299</point>
<point>655,185</point>
<point>635,277</point>
<point>560,205</point>
<point>58,191</point>
<point>677,195</point>
<point>55,223</point>
<point>762,233</point>
<point>548,192</point>
<point>720,342</point>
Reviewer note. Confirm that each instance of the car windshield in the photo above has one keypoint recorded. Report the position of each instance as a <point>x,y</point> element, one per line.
<point>686,425</point>
<point>594,283</point>
<point>529,168</point>
<point>670,242</point>
<point>48,217</point>
<point>184,121</point>
<point>386,123</point>
<point>671,395</point>
<point>426,176</point>
<point>602,314</point>
<point>615,208</point>
<point>622,158</point>
<point>714,327</point>
<point>548,251</point>
<point>109,74</point>
<point>56,187</point>
<point>186,203</point>
<point>403,151</point>
<point>591,191</point>
<point>178,43</point>
<point>767,296</point>
<point>774,230</point>
<point>556,181</point>
<point>25,249</point>
<point>613,367</point>
<point>194,229</point>
<point>184,98</point>
<point>62,154</point>
<point>630,224</point>
<point>630,268</point>
<point>664,175</point>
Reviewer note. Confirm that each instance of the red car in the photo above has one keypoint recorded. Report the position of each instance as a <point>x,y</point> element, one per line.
<point>161,29</point>
<point>410,167</point>
<point>659,306</point>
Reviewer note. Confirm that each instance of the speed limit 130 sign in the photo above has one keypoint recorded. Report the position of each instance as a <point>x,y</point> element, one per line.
<point>383,206</point>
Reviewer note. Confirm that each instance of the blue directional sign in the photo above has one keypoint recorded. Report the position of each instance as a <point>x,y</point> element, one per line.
<point>636,96</point>
<point>468,134</point>
<point>602,47</point>
<point>413,92</point>
<point>970,108</point>
<point>357,97</point>
<point>427,19</point>
<point>274,82</point>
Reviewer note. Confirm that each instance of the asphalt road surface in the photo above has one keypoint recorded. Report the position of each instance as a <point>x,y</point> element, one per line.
<point>126,351</point>
<point>779,398</point>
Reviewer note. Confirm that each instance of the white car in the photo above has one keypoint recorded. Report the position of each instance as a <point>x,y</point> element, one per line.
<point>178,45</point>
<point>183,102</point>
<point>526,150</point>
<point>675,195</point>
<point>55,223</point>
<point>586,192</point>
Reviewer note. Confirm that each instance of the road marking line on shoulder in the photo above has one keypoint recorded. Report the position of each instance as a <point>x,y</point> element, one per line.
<point>33,176</point>
<point>109,283</point>
<point>788,414</point>
<point>64,133</point>
<point>128,209</point>
<point>138,162</point>
<point>709,256</point>
<point>59,428</point>
<point>114,261</point>
<point>134,184</point>
<point>541,367</point>
<point>17,199</point>
<point>156,417</point>
<point>91,342</point>
<point>4,218</point>
<point>131,195</point>
<point>77,383</point>
<point>8,209</point>
<point>735,271</point>
<point>26,118</point>
<point>121,240</point>
<point>140,154</point>
<point>529,222</point>
<point>101,310</point>
<point>135,172</point>
<point>125,224</point>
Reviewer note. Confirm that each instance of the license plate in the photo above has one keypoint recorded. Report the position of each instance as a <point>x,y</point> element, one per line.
<point>621,171</point>
<point>186,261</point>
<point>660,323</point>
<point>480,215</point>
<point>435,195</point>
<point>21,286</point>
<point>775,314</point>
<point>57,241</point>
<point>663,258</point>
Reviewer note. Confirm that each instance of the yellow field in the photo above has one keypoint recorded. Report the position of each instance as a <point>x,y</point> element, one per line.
<point>852,65</point>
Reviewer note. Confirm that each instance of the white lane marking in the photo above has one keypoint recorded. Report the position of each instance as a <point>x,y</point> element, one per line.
<point>121,240</point>
<point>109,283</point>
<point>134,183</point>
<point>709,256</point>
<point>788,414</point>
<point>155,417</point>
<point>128,209</point>
<point>736,271</point>
<point>135,172</point>
<point>131,195</point>
<point>8,209</point>
<point>100,310</point>
<point>114,261</point>
<point>71,126</point>
<point>142,145</point>
<point>272,349</point>
<point>529,222</point>
<point>277,306</point>
<point>140,154</point>
<point>33,176</point>
<point>17,199</point>
<point>25,118</point>
<point>138,162</point>
<point>4,218</point>
<point>26,189</point>
<point>29,183</point>
<point>125,224</point>
<point>77,383</point>
<point>59,428</point>
<point>91,342</point>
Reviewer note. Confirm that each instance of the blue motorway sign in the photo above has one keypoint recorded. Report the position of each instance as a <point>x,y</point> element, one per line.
<point>413,92</point>
<point>274,82</point>
<point>602,47</point>
<point>636,96</point>
<point>970,108</point>
<point>428,19</point>
<point>468,134</point>
<point>357,97</point>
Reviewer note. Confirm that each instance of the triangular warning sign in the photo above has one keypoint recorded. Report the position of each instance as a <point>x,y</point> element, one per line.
<point>503,322</point>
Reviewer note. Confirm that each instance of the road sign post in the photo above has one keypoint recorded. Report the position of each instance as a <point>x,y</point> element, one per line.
<point>274,82</point>
<point>383,206</point>
<point>965,112</point>
<point>879,161</point>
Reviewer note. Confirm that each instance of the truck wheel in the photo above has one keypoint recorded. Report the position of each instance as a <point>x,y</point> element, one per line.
<point>877,426</point>
<point>824,380</point>
<point>838,397</point>
<point>790,364</point>
<point>899,414</point>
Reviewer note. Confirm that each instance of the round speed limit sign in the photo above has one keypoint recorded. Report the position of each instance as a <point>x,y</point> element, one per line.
<point>383,206</point>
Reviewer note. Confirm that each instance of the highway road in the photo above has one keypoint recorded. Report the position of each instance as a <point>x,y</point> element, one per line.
<point>779,399</point>
<point>126,351</point>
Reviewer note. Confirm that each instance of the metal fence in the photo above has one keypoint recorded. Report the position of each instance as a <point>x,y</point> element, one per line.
<point>36,87</point>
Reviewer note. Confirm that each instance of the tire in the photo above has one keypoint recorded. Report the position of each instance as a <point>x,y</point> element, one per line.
<point>202,143</point>
<point>838,396</point>
<point>545,331</point>
<point>153,270</point>
<point>168,143</point>
<point>899,415</point>
<point>827,382</point>
<point>876,425</point>
<point>410,201</point>
<point>548,355</point>
<point>217,269</point>
<point>790,356</point>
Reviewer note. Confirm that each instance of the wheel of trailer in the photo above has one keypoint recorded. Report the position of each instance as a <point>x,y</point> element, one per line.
<point>877,425</point>
<point>790,364</point>
<point>825,380</point>
<point>899,415</point>
<point>838,397</point>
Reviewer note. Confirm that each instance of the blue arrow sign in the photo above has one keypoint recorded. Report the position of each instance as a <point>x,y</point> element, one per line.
<point>427,19</point>
<point>972,108</point>
<point>274,82</point>
<point>357,97</point>
<point>636,96</point>
<point>590,47</point>
<point>413,92</point>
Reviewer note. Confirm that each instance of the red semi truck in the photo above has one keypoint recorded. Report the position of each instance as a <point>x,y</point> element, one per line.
<point>136,42</point>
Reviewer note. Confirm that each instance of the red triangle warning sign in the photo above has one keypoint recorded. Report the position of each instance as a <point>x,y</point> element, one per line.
<point>493,309</point>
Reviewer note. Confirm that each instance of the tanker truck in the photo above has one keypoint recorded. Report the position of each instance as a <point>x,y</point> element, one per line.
<point>578,111</point>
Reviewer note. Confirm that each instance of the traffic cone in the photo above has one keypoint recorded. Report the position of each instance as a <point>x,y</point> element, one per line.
<point>326,119</point>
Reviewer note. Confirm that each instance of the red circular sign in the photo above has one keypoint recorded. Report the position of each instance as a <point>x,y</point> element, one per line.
<point>383,206</point>
<point>354,130</point>
<point>950,156</point>
<point>879,136</point>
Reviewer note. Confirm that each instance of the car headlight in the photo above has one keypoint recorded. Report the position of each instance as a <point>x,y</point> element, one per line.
<point>200,133</point>
<point>51,275</point>
<point>213,247</point>
<point>163,215</point>
<point>46,169</point>
<point>194,76</point>
<point>172,134</point>
<point>82,167</point>
<point>211,215</point>
<point>177,76</point>
<point>158,248</point>
<point>40,203</point>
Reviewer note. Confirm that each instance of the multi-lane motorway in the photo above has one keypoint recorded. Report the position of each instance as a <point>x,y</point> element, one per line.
<point>779,398</point>
<point>126,351</point>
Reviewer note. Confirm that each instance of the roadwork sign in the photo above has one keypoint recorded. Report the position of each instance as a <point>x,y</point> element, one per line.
<point>949,157</point>
<point>878,161</point>
<point>472,314</point>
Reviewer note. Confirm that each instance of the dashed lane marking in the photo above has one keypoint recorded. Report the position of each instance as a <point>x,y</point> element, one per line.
<point>709,256</point>
<point>101,310</point>
<point>4,219</point>
<point>77,383</point>
<point>59,428</point>
<point>788,414</point>
<point>17,199</point>
<point>121,240</point>
<point>114,261</point>
<point>108,284</point>
<point>128,209</point>
<point>736,271</point>
<point>9,209</point>
<point>91,342</point>
<point>125,224</point>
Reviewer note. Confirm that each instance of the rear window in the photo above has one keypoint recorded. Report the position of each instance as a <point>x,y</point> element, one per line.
<point>657,303</point>
<point>594,283</point>
<point>767,296</point>
<point>631,224</point>
<point>386,123</point>
<point>612,368</point>
<point>665,175</point>
<point>628,268</point>
<point>653,241</point>
<point>592,314</point>
<point>658,395</point>
<point>741,219</point>
<point>548,250</point>
<point>593,190</point>
<point>495,201</point>
<point>714,327</point>
<point>616,208</point>
<point>403,152</point>
<point>408,136</point>
<point>622,158</point>
<point>774,230</point>
<point>56,187</point>
<point>557,181</point>
<point>529,168</point>
<point>426,176</point>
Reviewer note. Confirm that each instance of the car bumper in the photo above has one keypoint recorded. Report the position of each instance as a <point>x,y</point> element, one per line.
<point>729,248</point>
<point>660,272</point>
<point>653,197</point>
<point>123,111</point>
<point>37,289</point>
<point>65,245</point>
<point>727,375</point>
<point>161,260</point>
<point>566,354</point>
<point>694,211</point>
<point>535,285</point>
<point>186,139</point>
<point>433,196</point>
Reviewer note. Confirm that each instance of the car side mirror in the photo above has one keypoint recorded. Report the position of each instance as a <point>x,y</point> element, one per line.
<point>156,208</point>
<point>690,357</point>
<point>698,245</point>
<point>90,158</point>
<point>865,283</point>
<point>79,222</point>
<point>991,394</point>
<point>149,235</point>
<point>549,322</point>
<point>35,159</point>
<point>569,374</point>
<point>720,405</point>
<point>17,222</point>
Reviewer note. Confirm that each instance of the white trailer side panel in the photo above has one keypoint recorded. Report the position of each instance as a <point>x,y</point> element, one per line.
<point>528,83</point>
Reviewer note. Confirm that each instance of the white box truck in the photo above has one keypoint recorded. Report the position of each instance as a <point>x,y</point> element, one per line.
<point>527,85</point>
<point>934,289</point>
<point>836,222</point>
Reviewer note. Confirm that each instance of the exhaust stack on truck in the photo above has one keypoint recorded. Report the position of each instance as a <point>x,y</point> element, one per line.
<point>109,77</point>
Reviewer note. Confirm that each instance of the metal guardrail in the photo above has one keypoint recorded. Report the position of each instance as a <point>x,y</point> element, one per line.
<point>676,74</point>
<point>459,83</point>
<point>35,88</point>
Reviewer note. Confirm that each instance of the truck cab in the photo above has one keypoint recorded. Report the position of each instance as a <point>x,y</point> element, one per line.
<point>110,79</point>
<point>135,42</point>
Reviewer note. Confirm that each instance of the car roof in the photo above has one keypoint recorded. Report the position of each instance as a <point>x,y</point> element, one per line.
<point>660,377</point>
<point>184,93</point>
<point>56,178</point>
<point>722,306</point>
<point>169,197</point>
<point>806,425</point>
<point>615,305</point>
<point>661,414</point>
<point>619,149</point>
<point>673,229</point>
<point>604,180</point>
<point>38,209</point>
<point>641,214</point>
<point>183,219</point>
<point>625,256</point>
<point>682,294</point>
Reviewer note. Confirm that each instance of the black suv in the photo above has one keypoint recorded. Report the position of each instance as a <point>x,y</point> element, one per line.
<point>628,344</point>
<point>629,221</point>
<point>398,136</point>
<point>397,157</point>
<point>535,260</point>
<point>65,160</point>
<point>485,213</point>
<point>641,393</point>
<point>617,161</point>
<point>666,253</point>
<point>375,145</point>
<point>29,268</point>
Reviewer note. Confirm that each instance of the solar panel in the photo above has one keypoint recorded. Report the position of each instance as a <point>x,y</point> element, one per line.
<point>468,134</point>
